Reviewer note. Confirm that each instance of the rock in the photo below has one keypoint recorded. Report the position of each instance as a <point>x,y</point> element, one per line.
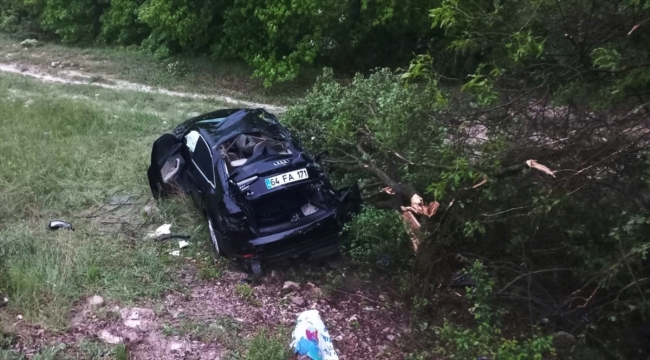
<point>314,291</point>
<point>55,64</point>
<point>96,301</point>
<point>133,323</point>
<point>390,337</point>
<point>290,285</point>
<point>298,300</point>
<point>109,338</point>
<point>150,208</point>
<point>19,317</point>
<point>137,318</point>
<point>175,346</point>
<point>562,339</point>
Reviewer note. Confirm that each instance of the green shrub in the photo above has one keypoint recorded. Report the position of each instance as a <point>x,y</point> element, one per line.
<point>268,345</point>
<point>374,234</point>
<point>487,338</point>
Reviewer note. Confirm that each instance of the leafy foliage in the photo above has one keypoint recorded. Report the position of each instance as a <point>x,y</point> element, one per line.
<point>375,234</point>
<point>487,338</point>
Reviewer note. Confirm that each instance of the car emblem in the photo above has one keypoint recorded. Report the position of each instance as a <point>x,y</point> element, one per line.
<point>281,162</point>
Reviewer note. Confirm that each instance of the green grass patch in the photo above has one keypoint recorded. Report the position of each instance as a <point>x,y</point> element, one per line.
<point>66,150</point>
<point>223,330</point>
<point>267,344</point>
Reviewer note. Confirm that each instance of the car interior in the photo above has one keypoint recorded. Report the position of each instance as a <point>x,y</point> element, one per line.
<point>247,147</point>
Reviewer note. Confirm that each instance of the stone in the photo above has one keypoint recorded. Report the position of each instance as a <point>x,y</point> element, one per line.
<point>290,285</point>
<point>109,338</point>
<point>175,346</point>
<point>390,337</point>
<point>298,300</point>
<point>96,301</point>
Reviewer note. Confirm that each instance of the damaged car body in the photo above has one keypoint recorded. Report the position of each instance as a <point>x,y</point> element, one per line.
<point>264,197</point>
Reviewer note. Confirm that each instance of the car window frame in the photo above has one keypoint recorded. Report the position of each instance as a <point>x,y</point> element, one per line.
<point>198,168</point>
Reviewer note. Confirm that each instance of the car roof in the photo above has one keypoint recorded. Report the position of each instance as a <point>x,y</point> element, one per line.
<point>222,125</point>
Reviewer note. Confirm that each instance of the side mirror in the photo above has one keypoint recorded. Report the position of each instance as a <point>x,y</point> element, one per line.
<point>321,156</point>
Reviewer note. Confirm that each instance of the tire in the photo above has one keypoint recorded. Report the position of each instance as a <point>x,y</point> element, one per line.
<point>215,242</point>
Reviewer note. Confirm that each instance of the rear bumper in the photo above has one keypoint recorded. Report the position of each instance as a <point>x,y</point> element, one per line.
<point>316,237</point>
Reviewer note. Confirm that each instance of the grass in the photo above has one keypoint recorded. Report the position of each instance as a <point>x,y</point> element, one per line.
<point>92,350</point>
<point>184,73</point>
<point>66,150</point>
<point>247,292</point>
<point>223,330</point>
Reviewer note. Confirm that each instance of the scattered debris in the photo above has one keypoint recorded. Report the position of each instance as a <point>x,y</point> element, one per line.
<point>172,236</point>
<point>60,224</point>
<point>30,43</point>
<point>311,338</point>
<point>96,301</point>
<point>390,337</point>
<point>150,208</point>
<point>183,244</point>
<point>19,317</point>
<point>290,285</point>
<point>160,231</point>
<point>175,253</point>
<point>109,338</point>
<point>535,165</point>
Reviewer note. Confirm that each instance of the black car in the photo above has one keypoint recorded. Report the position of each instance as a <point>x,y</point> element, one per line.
<point>264,197</point>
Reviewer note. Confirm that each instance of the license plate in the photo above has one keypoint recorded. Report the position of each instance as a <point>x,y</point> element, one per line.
<point>286,178</point>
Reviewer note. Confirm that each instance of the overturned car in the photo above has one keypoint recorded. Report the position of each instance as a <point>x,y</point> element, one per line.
<point>264,197</point>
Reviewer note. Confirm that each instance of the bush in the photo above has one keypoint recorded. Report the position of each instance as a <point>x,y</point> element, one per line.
<point>377,235</point>
<point>487,338</point>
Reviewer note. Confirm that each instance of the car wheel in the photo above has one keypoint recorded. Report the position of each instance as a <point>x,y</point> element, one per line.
<point>214,239</point>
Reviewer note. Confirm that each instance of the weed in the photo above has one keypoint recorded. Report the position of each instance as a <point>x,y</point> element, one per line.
<point>223,330</point>
<point>48,353</point>
<point>268,345</point>
<point>247,293</point>
<point>121,353</point>
<point>244,290</point>
<point>209,273</point>
<point>92,350</point>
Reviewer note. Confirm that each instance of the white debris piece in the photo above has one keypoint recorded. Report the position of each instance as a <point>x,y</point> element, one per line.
<point>308,209</point>
<point>160,231</point>
<point>183,244</point>
<point>175,253</point>
<point>311,338</point>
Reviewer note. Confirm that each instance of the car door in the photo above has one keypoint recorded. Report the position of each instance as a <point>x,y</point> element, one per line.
<point>202,167</point>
